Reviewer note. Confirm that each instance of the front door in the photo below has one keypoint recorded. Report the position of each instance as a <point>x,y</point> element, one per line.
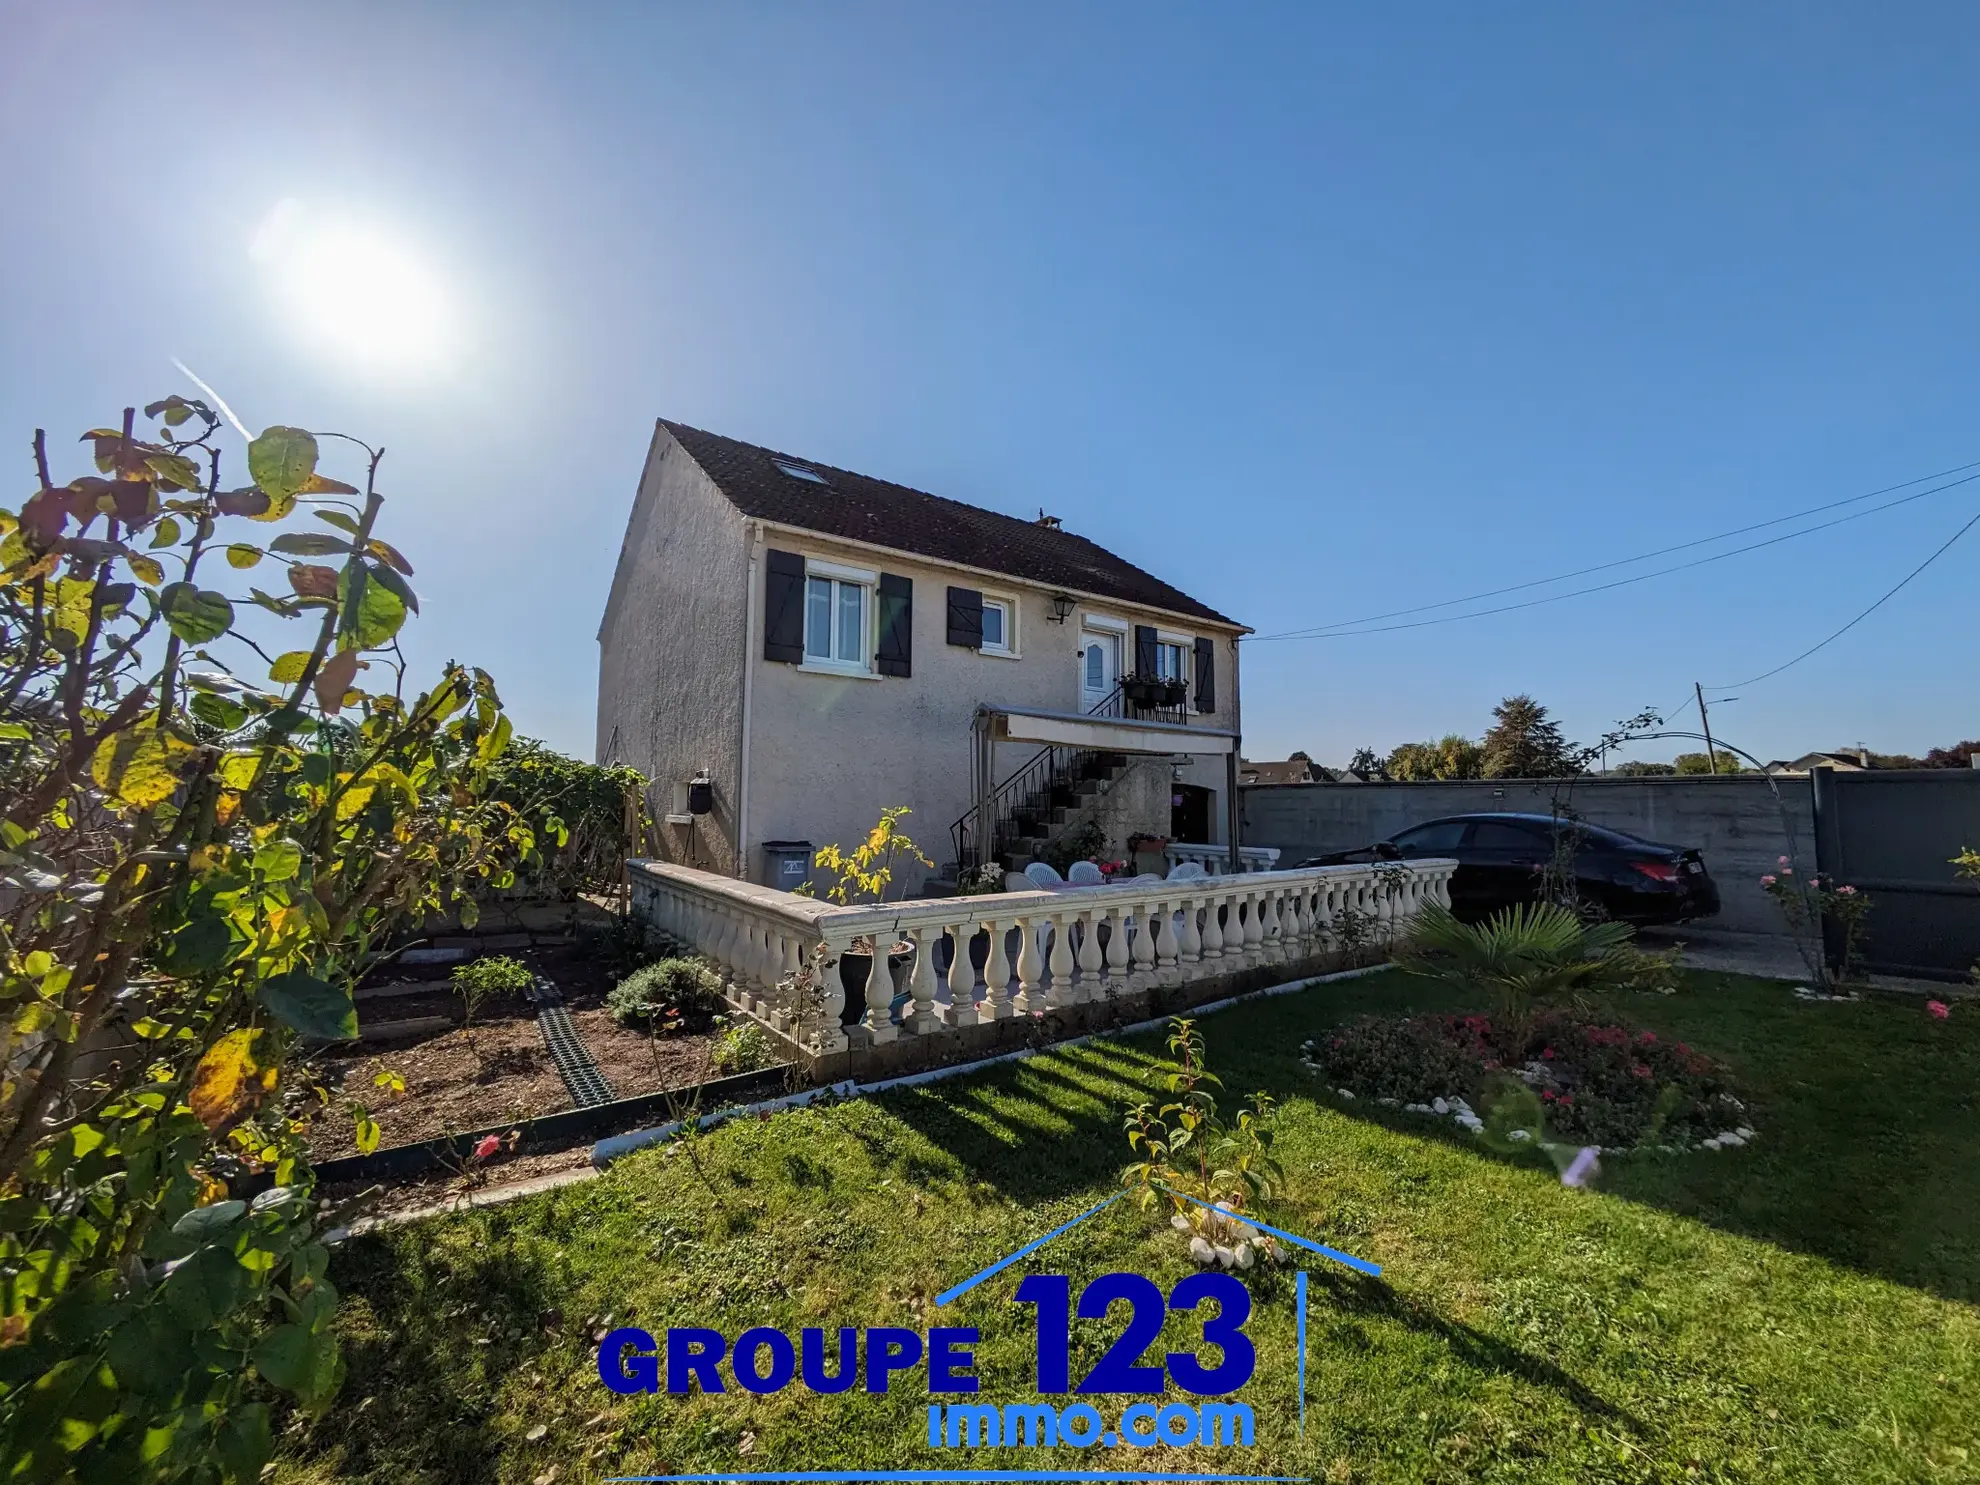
<point>1099,667</point>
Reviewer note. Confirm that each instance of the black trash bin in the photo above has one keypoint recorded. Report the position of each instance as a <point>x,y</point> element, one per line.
<point>786,864</point>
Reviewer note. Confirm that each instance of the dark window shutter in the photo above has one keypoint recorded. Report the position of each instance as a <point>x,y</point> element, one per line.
<point>1206,676</point>
<point>896,625</point>
<point>783,607</point>
<point>1144,650</point>
<point>966,618</point>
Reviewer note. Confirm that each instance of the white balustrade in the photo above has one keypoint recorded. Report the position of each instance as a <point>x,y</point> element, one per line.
<point>781,956</point>
<point>1217,859</point>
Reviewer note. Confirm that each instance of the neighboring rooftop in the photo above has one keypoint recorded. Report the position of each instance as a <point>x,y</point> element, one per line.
<point>792,491</point>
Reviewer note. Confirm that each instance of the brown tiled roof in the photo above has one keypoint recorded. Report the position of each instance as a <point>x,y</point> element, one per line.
<point>864,509</point>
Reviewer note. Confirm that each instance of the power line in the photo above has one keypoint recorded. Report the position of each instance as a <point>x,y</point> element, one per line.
<point>1319,629</point>
<point>1943,549</point>
<point>1334,632</point>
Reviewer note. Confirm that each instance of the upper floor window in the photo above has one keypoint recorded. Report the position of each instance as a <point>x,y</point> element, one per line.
<point>835,623</point>
<point>1171,661</point>
<point>999,626</point>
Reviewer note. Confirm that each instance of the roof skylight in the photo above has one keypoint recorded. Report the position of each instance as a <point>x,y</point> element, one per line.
<point>799,471</point>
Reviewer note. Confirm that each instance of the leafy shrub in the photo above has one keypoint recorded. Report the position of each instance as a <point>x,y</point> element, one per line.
<point>1084,842</point>
<point>743,1047</point>
<point>200,857</point>
<point>670,990</point>
<point>480,980</point>
<point>1597,1084</point>
<point>494,974</point>
<point>1527,954</point>
<point>620,946</point>
<point>1410,1061</point>
<point>1186,1147</point>
<point>590,817</point>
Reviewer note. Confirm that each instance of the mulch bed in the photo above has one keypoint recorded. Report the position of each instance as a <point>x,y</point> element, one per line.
<point>456,1081</point>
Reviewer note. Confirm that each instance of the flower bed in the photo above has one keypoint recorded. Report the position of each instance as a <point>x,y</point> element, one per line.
<point>1598,1084</point>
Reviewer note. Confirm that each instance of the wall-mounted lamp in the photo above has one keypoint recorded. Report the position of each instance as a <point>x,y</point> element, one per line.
<point>1062,607</point>
<point>701,793</point>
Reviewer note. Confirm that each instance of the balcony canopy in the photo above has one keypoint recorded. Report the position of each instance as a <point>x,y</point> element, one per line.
<point>1106,734</point>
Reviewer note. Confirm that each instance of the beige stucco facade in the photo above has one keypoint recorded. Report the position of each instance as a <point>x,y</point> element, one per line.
<point>797,753</point>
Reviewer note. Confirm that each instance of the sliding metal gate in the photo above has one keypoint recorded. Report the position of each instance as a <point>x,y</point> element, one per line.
<point>1893,834</point>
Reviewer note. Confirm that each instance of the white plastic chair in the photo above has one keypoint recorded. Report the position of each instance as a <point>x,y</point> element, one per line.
<point>1186,871</point>
<point>1086,874</point>
<point>1014,882</point>
<point>1044,877</point>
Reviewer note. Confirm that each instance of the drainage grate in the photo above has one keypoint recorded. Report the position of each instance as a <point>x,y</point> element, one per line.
<point>581,1076</point>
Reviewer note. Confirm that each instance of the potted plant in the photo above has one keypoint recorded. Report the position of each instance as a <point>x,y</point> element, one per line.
<point>1174,692</point>
<point>1144,691</point>
<point>863,874</point>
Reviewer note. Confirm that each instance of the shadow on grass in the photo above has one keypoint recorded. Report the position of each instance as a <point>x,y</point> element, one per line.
<point>1369,1298</point>
<point>425,1358</point>
<point>1869,1115</point>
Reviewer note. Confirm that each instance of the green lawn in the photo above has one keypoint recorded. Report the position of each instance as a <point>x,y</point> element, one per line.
<point>1799,1310</point>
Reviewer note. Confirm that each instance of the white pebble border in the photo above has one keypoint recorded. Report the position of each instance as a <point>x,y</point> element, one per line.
<point>1455,1108</point>
<point>1802,992</point>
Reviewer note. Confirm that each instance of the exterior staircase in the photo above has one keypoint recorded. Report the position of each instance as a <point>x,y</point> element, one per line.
<point>1031,823</point>
<point>1034,807</point>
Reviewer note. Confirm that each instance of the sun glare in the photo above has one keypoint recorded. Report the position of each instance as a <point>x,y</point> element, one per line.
<point>353,289</point>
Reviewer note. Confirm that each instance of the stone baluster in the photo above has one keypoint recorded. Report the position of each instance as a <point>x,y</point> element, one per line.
<point>997,1005</point>
<point>1254,927</point>
<point>1061,960</point>
<point>1117,952</point>
<point>1030,1000</point>
<point>1142,949</point>
<point>920,1016</point>
<point>1293,922</point>
<point>1091,961</point>
<point>824,1016</point>
<point>1213,930</point>
<point>879,1017</point>
<point>961,1009</point>
<point>790,963</point>
<point>1167,947</point>
<point>1190,950</point>
<point>1271,904</point>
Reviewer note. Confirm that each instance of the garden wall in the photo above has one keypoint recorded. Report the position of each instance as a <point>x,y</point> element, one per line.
<point>1735,821</point>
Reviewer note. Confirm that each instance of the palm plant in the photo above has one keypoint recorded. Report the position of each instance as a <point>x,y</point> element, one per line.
<point>1526,955</point>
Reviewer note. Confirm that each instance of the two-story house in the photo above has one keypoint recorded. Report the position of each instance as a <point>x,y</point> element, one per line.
<point>788,648</point>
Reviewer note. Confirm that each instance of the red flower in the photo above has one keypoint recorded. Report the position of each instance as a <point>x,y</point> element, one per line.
<point>1547,1094</point>
<point>1648,1036</point>
<point>487,1145</point>
<point>1684,1049</point>
<point>1567,1100</point>
<point>1938,1010</point>
<point>1641,1070</point>
<point>1548,1053</point>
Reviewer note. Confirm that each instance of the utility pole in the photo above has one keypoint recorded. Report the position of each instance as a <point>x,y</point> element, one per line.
<point>1705,722</point>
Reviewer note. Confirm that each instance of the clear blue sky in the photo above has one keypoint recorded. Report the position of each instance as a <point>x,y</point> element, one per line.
<point>1316,311</point>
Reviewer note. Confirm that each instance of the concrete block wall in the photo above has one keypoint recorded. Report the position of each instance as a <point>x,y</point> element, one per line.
<point>1739,823</point>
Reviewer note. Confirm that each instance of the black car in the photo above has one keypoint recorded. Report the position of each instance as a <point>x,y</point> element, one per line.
<point>1501,858</point>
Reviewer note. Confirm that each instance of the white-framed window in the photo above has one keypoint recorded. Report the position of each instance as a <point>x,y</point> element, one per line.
<point>999,626</point>
<point>1170,659</point>
<point>838,617</point>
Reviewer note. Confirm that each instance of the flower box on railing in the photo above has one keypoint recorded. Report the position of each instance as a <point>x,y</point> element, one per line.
<point>1152,693</point>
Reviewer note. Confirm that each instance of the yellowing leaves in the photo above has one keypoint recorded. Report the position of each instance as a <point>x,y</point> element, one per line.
<point>241,555</point>
<point>229,1082</point>
<point>141,767</point>
<point>69,606</point>
<point>288,668</point>
<point>146,569</point>
<point>238,770</point>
